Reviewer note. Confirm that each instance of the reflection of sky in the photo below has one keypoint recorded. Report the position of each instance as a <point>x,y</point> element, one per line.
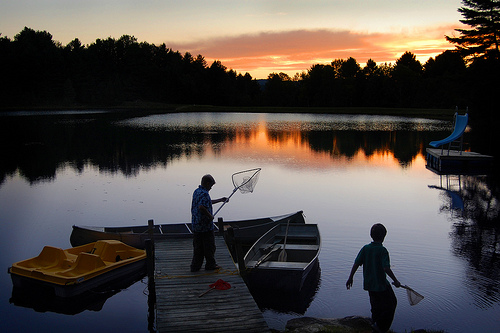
<point>343,196</point>
<point>285,122</point>
<point>277,138</point>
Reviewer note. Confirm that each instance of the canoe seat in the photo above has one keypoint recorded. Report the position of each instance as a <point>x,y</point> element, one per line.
<point>307,247</point>
<point>282,265</point>
<point>85,263</point>
<point>301,247</point>
<point>49,257</point>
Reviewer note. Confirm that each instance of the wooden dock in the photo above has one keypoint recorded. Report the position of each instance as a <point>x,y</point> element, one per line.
<point>179,307</point>
<point>455,161</point>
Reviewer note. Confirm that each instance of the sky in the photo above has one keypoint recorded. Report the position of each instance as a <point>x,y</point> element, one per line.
<point>255,36</point>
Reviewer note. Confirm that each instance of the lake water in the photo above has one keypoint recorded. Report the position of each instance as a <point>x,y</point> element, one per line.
<point>345,172</point>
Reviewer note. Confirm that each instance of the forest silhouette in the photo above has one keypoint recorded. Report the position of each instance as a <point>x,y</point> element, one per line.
<point>40,72</point>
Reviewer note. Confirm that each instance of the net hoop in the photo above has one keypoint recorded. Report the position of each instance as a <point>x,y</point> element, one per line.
<point>413,297</point>
<point>245,181</point>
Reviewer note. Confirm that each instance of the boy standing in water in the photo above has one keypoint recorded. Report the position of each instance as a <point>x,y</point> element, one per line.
<point>374,258</point>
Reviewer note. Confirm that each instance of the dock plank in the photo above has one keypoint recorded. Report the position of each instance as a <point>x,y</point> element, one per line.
<point>178,305</point>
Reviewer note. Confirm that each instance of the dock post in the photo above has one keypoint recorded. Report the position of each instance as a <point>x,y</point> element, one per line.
<point>220,224</point>
<point>151,229</point>
<point>240,255</point>
<point>150,250</point>
<point>150,255</point>
<point>150,258</point>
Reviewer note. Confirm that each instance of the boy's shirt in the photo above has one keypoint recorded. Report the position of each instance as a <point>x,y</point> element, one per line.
<point>374,257</point>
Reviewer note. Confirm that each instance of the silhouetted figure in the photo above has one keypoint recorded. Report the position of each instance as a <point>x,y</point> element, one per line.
<point>374,258</point>
<point>203,226</point>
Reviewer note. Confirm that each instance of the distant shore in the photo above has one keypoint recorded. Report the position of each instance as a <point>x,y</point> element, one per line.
<point>156,108</point>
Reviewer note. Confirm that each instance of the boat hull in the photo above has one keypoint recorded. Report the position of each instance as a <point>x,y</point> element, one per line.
<point>134,236</point>
<point>243,231</point>
<point>73,271</point>
<point>288,299</point>
<point>263,267</point>
<point>66,291</point>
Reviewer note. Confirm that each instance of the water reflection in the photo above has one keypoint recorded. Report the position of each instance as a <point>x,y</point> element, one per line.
<point>474,210</point>
<point>36,147</point>
<point>44,300</point>
<point>451,187</point>
<point>347,172</point>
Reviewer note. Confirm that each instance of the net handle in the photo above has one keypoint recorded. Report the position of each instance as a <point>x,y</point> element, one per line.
<point>256,171</point>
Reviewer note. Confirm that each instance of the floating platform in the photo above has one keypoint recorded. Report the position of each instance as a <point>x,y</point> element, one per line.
<point>182,306</point>
<point>444,161</point>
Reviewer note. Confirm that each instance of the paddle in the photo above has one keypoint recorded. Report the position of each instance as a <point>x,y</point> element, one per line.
<point>264,257</point>
<point>282,256</point>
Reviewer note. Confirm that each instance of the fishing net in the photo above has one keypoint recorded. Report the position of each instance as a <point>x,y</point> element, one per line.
<point>220,284</point>
<point>413,297</point>
<point>245,181</point>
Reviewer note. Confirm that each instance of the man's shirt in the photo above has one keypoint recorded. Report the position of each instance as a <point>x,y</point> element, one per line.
<point>201,222</point>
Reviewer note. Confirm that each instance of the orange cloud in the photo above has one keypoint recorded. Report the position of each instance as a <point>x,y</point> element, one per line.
<point>296,51</point>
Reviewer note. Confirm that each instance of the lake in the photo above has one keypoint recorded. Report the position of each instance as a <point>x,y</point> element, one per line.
<point>345,172</point>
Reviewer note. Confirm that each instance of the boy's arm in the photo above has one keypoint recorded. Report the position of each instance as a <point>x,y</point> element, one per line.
<point>349,282</point>
<point>389,272</point>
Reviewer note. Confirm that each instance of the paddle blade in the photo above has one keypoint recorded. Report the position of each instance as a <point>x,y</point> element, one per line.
<point>282,256</point>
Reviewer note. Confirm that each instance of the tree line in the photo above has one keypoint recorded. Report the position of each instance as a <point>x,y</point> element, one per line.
<point>39,71</point>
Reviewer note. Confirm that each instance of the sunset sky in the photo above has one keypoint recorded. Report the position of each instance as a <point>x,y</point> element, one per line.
<point>255,36</point>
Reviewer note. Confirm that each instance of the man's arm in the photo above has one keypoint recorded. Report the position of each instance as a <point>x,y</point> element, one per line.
<point>223,199</point>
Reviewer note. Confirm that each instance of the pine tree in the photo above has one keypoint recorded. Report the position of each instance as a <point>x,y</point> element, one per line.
<point>482,40</point>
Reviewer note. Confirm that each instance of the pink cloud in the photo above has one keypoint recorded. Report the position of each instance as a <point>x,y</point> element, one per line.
<point>296,51</point>
<point>298,42</point>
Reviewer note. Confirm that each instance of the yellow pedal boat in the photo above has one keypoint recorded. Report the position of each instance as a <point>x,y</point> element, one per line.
<point>73,271</point>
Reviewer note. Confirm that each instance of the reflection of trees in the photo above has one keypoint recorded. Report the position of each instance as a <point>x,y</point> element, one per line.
<point>480,247</point>
<point>482,200</point>
<point>476,236</point>
<point>37,146</point>
<point>405,145</point>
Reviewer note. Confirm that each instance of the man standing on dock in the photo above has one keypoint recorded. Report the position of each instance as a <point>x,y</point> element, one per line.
<point>203,226</point>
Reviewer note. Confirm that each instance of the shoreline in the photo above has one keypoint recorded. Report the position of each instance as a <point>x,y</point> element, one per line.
<point>145,108</point>
<point>351,324</point>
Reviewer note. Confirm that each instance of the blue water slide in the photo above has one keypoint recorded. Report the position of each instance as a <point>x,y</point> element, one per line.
<point>458,131</point>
